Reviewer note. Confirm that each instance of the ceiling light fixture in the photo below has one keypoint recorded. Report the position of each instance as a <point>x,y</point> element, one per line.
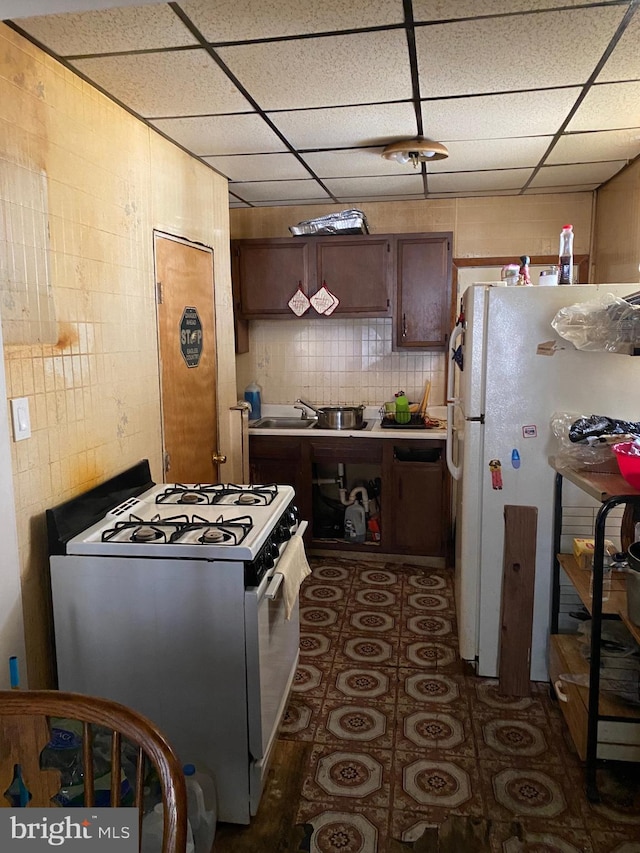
<point>415,151</point>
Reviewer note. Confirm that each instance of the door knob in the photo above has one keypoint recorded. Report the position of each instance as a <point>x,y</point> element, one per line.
<point>218,458</point>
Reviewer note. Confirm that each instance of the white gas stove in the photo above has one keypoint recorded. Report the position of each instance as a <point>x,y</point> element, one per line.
<point>201,521</point>
<point>168,598</point>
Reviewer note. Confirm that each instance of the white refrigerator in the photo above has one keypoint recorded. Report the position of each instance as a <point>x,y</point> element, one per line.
<point>499,439</point>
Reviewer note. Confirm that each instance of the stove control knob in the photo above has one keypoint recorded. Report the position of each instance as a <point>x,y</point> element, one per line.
<point>273,549</point>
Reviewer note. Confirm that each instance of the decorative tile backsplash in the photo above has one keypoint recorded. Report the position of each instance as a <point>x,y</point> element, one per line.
<point>335,362</point>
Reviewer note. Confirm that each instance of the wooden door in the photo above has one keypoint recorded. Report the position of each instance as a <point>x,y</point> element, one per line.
<point>186,332</point>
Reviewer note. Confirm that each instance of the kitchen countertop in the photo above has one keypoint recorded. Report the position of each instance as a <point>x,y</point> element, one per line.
<point>374,429</point>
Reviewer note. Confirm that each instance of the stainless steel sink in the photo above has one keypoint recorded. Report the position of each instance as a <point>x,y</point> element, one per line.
<point>283,423</point>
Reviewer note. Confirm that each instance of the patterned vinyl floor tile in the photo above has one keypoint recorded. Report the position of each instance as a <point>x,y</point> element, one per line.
<point>402,734</point>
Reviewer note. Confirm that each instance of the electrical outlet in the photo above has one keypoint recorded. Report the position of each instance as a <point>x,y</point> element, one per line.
<point>20,418</point>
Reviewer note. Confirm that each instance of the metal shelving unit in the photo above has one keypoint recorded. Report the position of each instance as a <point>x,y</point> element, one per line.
<point>611,490</point>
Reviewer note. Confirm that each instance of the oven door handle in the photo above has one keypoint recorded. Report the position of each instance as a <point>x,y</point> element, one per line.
<point>276,581</point>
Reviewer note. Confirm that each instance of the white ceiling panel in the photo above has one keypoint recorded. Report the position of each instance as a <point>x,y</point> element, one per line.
<point>547,39</point>
<point>110,30</point>
<point>498,116</point>
<point>347,126</point>
<point>354,162</point>
<point>165,84</point>
<point>217,135</point>
<point>465,181</point>
<point>277,190</point>
<point>351,69</point>
<point>362,187</point>
<point>242,20</point>
<point>492,154</point>
<point>253,167</point>
<point>595,146</point>
<point>437,10</point>
<point>624,62</point>
<point>246,85</point>
<point>608,107</point>
<point>575,188</point>
<point>552,176</point>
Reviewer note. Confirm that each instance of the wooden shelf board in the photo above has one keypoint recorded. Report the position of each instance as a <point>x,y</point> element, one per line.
<point>581,579</point>
<point>596,485</point>
<point>577,665</point>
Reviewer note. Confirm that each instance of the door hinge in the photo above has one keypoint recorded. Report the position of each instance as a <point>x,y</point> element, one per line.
<point>159,292</point>
<point>167,462</point>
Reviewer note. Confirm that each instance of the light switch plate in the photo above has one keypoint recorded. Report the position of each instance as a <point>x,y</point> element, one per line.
<point>20,418</point>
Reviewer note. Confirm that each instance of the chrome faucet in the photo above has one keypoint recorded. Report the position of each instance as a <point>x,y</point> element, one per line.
<point>303,412</point>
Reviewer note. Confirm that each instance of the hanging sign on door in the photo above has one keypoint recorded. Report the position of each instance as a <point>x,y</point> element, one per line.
<point>191,337</point>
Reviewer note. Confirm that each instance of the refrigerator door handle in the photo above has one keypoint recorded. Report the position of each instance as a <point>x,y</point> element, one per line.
<point>454,470</point>
<point>453,345</point>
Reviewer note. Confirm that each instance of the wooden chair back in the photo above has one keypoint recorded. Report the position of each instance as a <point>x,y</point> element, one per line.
<point>25,730</point>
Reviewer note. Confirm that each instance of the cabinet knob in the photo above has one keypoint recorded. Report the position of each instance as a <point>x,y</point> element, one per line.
<point>404,325</point>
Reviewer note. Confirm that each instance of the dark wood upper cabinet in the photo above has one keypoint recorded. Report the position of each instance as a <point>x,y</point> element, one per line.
<point>422,297</point>
<point>404,276</point>
<point>357,271</point>
<point>268,273</point>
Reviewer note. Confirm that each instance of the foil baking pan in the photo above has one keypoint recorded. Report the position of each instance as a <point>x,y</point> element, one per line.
<point>346,222</point>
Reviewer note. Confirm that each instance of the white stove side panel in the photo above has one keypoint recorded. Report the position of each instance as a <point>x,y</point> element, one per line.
<point>165,637</point>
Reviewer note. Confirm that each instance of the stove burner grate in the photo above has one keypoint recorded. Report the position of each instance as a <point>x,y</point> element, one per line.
<point>216,493</point>
<point>222,531</point>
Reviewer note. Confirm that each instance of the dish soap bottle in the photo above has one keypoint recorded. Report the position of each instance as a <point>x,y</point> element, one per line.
<point>252,396</point>
<point>403,415</point>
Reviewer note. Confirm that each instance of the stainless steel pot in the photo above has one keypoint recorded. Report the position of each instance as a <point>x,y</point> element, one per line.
<point>337,417</point>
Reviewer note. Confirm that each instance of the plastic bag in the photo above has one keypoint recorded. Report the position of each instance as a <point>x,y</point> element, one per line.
<point>577,448</point>
<point>604,324</point>
<point>619,660</point>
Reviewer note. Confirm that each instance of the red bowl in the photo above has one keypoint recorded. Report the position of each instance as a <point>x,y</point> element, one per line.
<point>628,456</point>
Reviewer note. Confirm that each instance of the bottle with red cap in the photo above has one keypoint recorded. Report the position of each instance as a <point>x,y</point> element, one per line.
<point>565,260</point>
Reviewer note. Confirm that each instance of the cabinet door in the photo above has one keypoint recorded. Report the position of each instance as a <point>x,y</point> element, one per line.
<point>268,273</point>
<point>283,460</point>
<point>414,503</point>
<point>423,291</point>
<point>357,271</point>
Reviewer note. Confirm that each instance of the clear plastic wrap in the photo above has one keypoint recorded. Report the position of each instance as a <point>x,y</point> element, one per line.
<point>584,441</point>
<point>604,324</point>
<point>619,661</point>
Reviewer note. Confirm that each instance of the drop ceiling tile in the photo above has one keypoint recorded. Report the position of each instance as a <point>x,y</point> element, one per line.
<point>218,135</point>
<point>351,163</point>
<point>288,202</point>
<point>385,185</point>
<point>607,107</point>
<point>498,116</point>
<point>576,188</point>
<point>492,154</point>
<point>371,198</point>
<point>241,20</point>
<point>474,193</point>
<point>343,127</point>
<point>278,190</point>
<point>165,84</point>
<point>602,145</point>
<point>258,167</point>
<point>479,181</point>
<point>487,68</point>
<point>434,10</point>
<point>583,173</point>
<point>624,62</point>
<point>109,30</point>
<point>320,72</point>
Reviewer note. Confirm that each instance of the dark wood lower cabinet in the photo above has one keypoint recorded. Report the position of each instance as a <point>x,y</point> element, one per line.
<point>414,491</point>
